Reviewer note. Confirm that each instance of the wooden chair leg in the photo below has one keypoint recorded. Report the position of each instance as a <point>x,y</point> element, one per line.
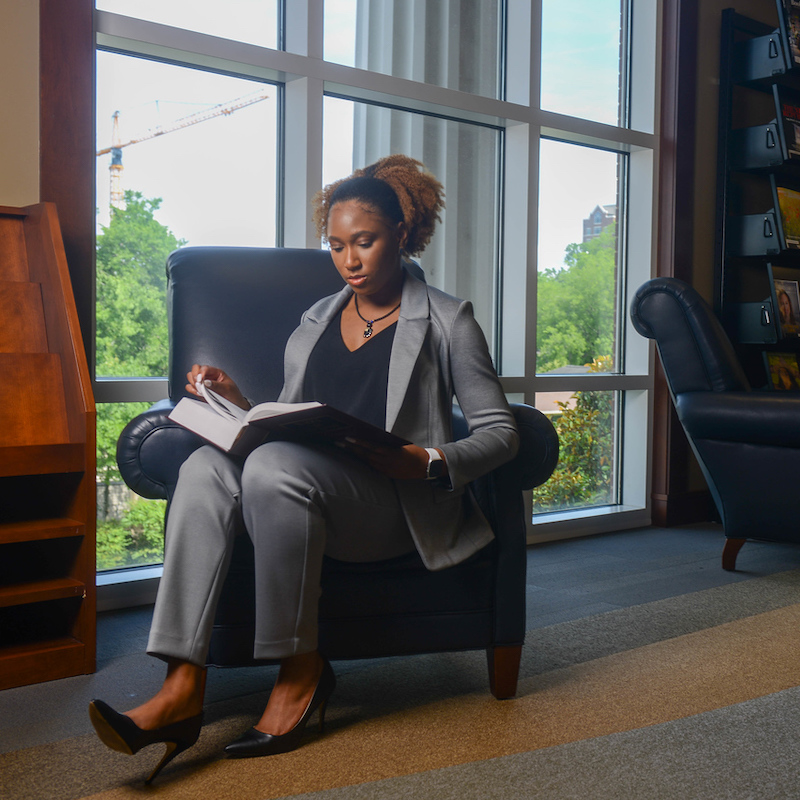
<point>729,553</point>
<point>503,670</point>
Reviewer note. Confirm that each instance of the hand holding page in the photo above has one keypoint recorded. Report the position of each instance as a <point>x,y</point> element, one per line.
<point>239,432</point>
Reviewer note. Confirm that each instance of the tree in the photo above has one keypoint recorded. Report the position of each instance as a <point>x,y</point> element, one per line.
<point>576,305</point>
<point>131,337</point>
<point>131,290</point>
<point>131,340</point>
<point>576,325</point>
<point>584,475</point>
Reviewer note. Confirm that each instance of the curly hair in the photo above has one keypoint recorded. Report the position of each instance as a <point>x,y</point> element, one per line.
<point>415,197</point>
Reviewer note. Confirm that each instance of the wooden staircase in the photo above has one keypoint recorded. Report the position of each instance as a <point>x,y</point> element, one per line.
<point>47,459</point>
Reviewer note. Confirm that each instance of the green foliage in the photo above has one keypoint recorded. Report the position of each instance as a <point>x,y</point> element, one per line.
<point>575,306</point>
<point>131,319</point>
<point>131,341</point>
<point>137,538</point>
<point>111,419</point>
<point>584,474</point>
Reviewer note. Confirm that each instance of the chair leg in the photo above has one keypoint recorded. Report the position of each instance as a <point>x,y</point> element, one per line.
<point>729,553</point>
<point>503,670</point>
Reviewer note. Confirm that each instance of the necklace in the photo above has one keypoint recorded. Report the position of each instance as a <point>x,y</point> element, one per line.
<point>368,329</point>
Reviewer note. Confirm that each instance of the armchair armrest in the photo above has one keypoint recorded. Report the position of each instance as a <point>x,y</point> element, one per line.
<point>151,449</point>
<point>750,417</point>
<point>538,448</point>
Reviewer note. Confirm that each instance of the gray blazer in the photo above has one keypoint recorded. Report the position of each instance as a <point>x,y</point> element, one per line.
<point>439,353</point>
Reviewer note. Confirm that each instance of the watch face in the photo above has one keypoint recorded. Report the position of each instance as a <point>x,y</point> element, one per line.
<point>436,469</point>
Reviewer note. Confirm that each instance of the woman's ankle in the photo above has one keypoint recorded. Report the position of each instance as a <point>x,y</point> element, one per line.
<point>293,690</point>
<point>180,697</point>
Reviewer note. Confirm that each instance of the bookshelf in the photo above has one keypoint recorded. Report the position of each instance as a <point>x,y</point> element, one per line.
<point>758,189</point>
<point>47,460</point>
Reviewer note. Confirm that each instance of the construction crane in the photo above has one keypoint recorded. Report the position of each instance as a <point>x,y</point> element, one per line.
<point>115,167</point>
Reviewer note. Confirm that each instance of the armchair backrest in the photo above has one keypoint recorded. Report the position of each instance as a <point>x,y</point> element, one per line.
<point>695,351</point>
<point>239,317</point>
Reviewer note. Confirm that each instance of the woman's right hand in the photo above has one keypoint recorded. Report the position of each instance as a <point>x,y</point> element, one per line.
<point>217,381</point>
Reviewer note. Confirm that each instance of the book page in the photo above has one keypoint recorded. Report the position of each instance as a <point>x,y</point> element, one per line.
<point>219,403</point>
<point>266,410</point>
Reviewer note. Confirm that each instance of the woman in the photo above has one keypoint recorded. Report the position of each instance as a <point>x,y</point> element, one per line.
<point>402,351</point>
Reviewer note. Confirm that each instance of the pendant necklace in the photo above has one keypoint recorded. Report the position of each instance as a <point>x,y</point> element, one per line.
<point>368,329</point>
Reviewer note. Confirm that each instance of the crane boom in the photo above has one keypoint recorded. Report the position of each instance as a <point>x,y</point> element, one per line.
<point>115,168</point>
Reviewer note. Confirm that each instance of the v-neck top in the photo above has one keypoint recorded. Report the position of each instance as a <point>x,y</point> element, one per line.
<point>353,381</point>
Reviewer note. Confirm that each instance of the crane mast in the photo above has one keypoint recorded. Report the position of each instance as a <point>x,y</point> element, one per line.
<point>115,168</point>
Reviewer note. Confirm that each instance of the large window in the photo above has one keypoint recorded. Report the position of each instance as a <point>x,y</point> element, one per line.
<point>217,127</point>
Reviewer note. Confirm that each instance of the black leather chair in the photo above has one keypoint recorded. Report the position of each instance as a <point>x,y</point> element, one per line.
<point>747,442</point>
<point>235,308</point>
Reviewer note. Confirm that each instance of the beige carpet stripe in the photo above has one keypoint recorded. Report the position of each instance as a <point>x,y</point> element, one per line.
<point>680,677</point>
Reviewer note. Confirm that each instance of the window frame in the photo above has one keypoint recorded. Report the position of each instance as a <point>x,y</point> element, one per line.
<point>307,79</point>
<point>67,153</point>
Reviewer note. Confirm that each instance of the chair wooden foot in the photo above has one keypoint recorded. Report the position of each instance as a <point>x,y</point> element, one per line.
<point>503,670</point>
<point>729,553</point>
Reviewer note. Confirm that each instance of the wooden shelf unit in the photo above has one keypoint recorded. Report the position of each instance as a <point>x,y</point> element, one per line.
<point>47,460</point>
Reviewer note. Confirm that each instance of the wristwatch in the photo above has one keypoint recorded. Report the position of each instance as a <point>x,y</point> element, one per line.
<point>436,466</point>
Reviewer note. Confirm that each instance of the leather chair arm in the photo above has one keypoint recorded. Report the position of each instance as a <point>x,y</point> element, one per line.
<point>151,449</point>
<point>769,418</point>
<point>538,448</point>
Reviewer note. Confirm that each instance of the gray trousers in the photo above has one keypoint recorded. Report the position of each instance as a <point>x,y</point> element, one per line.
<point>297,502</point>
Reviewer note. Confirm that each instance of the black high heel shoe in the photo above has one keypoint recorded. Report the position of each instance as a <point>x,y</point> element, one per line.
<point>255,743</point>
<point>122,734</point>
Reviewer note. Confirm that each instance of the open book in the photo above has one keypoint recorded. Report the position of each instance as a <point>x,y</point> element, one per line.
<point>237,431</point>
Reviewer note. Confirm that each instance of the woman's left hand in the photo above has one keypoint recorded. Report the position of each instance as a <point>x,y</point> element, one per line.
<point>400,463</point>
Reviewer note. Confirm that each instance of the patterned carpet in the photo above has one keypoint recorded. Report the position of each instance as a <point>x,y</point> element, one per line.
<point>690,696</point>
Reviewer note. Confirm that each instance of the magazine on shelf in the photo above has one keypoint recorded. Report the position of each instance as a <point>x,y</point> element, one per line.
<point>237,431</point>
<point>783,371</point>
<point>787,106</point>
<point>789,17</point>
<point>786,300</point>
<point>786,198</point>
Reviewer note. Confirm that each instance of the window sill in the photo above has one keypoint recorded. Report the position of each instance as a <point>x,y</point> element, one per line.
<point>126,588</point>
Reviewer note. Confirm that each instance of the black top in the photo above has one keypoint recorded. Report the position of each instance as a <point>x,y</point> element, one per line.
<point>355,382</point>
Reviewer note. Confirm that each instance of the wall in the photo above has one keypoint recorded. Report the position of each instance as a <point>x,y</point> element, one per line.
<point>19,103</point>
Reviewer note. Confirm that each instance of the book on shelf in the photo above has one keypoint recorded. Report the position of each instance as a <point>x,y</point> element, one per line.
<point>238,432</point>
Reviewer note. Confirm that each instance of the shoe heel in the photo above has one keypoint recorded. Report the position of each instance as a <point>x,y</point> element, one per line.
<point>173,749</point>
<point>322,709</point>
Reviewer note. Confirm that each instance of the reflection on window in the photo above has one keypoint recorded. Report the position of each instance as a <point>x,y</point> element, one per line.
<point>184,157</point>
<point>130,529</point>
<point>586,422</point>
<point>251,21</point>
<point>450,43</point>
<point>577,285</point>
<point>462,258</point>
<point>581,64</point>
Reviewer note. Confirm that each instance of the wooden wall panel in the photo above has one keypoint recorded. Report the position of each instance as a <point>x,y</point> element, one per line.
<point>67,139</point>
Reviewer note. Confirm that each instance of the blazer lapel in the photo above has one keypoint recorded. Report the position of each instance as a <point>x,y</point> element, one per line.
<point>412,328</point>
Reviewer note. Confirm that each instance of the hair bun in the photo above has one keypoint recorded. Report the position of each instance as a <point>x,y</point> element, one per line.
<point>419,193</point>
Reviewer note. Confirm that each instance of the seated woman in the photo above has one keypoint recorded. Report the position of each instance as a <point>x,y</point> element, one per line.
<point>389,349</point>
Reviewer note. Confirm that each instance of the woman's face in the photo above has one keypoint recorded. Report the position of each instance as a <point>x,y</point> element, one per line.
<point>365,247</point>
<point>785,307</point>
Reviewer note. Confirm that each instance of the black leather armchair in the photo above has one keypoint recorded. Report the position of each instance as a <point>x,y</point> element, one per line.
<point>747,442</point>
<point>236,307</point>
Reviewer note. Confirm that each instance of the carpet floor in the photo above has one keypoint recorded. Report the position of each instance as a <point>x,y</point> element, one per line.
<point>690,696</point>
